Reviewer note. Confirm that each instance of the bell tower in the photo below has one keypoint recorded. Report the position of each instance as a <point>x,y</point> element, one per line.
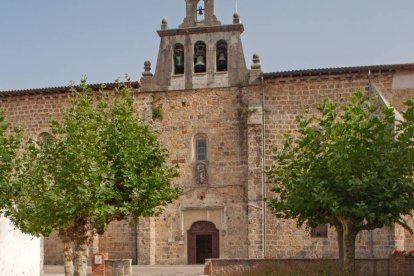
<point>200,53</point>
<point>200,13</point>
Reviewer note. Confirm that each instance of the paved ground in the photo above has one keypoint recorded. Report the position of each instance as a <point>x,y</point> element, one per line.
<point>158,270</point>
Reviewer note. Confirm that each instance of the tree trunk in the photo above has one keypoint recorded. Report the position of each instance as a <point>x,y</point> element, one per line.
<point>81,259</point>
<point>68,253</point>
<point>83,238</point>
<point>349,235</point>
<point>340,239</point>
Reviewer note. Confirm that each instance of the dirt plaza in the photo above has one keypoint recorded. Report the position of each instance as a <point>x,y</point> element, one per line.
<point>157,270</point>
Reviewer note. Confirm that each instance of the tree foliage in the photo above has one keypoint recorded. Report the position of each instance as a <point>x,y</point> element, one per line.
<point>100,164</point>
<point>351,165</point>
<point>9,146</point>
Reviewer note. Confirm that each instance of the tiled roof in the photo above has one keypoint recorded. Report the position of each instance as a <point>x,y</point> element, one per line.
<point>292,73</point>
<point>339,70</point>
<point>62,89</point>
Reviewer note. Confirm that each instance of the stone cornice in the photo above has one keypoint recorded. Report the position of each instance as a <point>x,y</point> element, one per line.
<point>341,70</point>
<point>199,30</point>
<point>66,89</point>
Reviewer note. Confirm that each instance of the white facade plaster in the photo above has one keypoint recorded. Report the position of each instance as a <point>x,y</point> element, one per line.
<point>403,81</point>
<point>20,254</point>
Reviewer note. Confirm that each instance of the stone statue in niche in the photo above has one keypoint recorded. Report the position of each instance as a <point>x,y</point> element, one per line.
<point>201,173</point>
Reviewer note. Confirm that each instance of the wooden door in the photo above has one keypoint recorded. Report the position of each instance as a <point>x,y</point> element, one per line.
<point>203,242</point>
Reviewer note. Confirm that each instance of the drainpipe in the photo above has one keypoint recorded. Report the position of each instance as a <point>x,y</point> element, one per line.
<point>264,191</point>
<point>136,241</point>
<point>371,234</point>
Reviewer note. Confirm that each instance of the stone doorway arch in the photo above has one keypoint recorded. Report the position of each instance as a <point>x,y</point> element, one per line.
<point>203,242</point>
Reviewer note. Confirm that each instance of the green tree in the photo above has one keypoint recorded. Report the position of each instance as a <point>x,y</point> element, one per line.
<point>9,146</point>
<point>350,166</point>
<point>100,164</point>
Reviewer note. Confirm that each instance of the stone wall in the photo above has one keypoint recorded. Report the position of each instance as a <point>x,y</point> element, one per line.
<point>364,267</point>
<point>287,98</point>
<point>216,114</point>
<point>401,265</point>
<point>53,250</point>
<point>120,241</point>
<point>33,112</point>
<point>231,197</point>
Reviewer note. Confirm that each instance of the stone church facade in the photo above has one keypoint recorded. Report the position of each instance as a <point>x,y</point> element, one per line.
<point>219,121</point>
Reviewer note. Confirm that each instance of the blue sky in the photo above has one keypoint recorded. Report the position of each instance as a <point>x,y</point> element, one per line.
<point>46,43</point>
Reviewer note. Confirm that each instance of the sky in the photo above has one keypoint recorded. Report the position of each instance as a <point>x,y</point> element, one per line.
<point>47,43</point>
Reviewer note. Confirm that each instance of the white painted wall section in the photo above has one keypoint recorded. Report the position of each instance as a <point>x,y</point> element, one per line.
<point>20,254</point>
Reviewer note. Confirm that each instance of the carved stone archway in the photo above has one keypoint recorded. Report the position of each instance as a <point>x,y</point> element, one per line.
<point>203,242</point>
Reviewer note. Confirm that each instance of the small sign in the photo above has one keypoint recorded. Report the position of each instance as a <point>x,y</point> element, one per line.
<point>181,242</point>
<point>98,259</point>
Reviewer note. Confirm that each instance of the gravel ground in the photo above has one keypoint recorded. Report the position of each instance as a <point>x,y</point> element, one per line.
<point>157,270</point>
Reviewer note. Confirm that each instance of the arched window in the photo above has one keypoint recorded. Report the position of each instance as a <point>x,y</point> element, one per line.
<point>201,7</point>
<point>201,149</point>
<point>201,158</point>
<point>200,63</point>
<point>221,56</point>
<point>44,138</point>
<point>178,59</point>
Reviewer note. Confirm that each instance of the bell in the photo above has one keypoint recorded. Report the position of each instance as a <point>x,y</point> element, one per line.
<point>200,10</point>
<point>200,65</point>
<point>222,62</point>
<point>222,58</point>
<point>179,65</point>
<point>179,61</point>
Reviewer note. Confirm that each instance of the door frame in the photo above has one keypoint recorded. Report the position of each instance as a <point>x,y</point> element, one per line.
<point>202,228</point>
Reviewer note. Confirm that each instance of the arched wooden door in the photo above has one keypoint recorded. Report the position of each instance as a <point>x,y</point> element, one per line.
<point>203,242</point>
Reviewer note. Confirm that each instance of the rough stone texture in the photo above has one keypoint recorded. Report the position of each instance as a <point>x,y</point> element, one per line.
<point>210,31</point>
<point>286,98</point>
<point>33,112</point>
<point>364,267</point>
<point>255,185</point>
<point>120,241</point>
<point>409,266</point>
<point>230,119</point>
<point>397,263</point>
<point>187,114</point>
<point>164,78</point>
<point>146,241</point>
<point>242,116</point>
<point>53,250</point>
<point>120,267</point>
<point>191,14</point>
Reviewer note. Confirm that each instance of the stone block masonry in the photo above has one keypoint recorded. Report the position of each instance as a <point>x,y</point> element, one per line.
<point>364,267</point>
<point>202,91</point>
<point>231,121</point>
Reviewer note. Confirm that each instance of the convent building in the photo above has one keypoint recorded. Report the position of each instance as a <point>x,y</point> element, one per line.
<point>220,120</point>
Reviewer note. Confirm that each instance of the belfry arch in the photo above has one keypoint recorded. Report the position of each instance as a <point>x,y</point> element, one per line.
<point>191,55</point>
<point>200,11</point>
<point>195,15</point>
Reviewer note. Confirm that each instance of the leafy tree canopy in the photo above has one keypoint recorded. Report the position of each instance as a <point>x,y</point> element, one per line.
<point>9,146</point>
<point>351,164</point>
<point>101,163</point>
